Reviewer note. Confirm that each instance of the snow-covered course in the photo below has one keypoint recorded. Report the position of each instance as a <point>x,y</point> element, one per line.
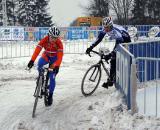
<point>104,110</point>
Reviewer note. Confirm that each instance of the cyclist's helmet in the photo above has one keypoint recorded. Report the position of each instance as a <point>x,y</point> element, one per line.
<point>107,22</point>
<point>54,32</point>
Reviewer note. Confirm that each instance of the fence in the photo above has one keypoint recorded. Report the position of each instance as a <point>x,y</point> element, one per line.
<point>67,33</point>
<point>126,77</point>
<point>145,49</point>
<point>14,40</point>
<point>143,29</point>
<point>13,49</point>
<point>148,98</point>
<point>147,57</point>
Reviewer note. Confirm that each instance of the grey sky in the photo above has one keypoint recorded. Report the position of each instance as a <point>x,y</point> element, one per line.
<point>65,11</point>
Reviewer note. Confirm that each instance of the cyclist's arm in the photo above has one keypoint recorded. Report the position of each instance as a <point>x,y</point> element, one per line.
<point>118,37</point>
<point>38,48</point>
<point>99,39</point>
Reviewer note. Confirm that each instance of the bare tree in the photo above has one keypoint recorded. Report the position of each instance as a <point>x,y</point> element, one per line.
<point>122,8</point>
<point>97,8</point>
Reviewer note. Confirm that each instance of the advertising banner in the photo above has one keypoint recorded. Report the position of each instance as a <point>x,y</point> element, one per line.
<point>64,33</point>
<point>77,33</point>
<point>31,34</point>
<point>43,31</point>
<point>5,34</point>
<point>92,32</point>
<point>17,33</point>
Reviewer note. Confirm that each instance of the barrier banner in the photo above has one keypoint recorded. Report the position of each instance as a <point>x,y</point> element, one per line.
<point>5,34</point>
<point>77,33</point>
<point>17,33</point>
<point>31,34</point>
<point>43,31</point>
<point>92,32</point>
<point>64,33</point>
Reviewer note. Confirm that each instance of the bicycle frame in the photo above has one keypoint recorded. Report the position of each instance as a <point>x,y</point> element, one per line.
<point>43,78</point>
<point>93,75</point>
<point>101,62</point>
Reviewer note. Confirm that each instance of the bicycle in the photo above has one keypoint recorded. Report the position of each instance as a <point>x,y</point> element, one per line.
<point>93,75</point>
<point>41,89</point>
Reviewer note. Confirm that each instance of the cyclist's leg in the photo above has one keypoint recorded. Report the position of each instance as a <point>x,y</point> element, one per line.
<point>110,79</point>
<point>41,62</point>
<point>112,66</point>
<point>112,69</point>
<point>52,75</point>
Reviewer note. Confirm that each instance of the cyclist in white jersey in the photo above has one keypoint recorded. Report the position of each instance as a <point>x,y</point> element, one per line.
<point>116,32</point>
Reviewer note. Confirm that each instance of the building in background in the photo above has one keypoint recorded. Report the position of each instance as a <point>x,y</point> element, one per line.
<point>88,21</point>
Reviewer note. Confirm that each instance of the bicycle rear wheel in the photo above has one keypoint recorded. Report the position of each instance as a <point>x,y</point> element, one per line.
<point>37,94</point>
<point>91,80</point>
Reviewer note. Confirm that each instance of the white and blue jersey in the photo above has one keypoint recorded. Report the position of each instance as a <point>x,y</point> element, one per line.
<point>118,33</point>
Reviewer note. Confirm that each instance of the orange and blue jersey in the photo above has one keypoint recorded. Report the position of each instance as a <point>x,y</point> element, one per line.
<point>51,49</point>
<point>53,53</point>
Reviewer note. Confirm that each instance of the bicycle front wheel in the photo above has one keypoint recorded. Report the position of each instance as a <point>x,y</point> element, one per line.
<point>37,94</point>
<point>46,92</point>
<point>91,80</point>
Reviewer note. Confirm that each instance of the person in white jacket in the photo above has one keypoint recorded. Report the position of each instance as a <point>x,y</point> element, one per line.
<point>116,32</point>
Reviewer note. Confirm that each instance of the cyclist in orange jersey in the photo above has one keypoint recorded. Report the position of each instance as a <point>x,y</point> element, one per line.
<point>53,53</point>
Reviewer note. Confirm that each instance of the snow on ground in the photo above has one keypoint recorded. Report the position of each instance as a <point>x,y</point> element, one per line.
<point>104,110</point>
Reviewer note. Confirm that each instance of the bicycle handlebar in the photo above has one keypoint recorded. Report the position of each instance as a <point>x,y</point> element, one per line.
<point>100,54</point>
<point>43,68</point>
<point>95,52</point>
<point>47,69</point>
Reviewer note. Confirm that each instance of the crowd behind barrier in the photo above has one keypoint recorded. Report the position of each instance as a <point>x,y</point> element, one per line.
<point>67,33</point>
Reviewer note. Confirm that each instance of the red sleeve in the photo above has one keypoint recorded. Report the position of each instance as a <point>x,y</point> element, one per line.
<point>59,53</point>
<point>39,48</point>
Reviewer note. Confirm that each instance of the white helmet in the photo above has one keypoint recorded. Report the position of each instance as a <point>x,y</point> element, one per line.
<point>107,21</point>
<point>54,31</point>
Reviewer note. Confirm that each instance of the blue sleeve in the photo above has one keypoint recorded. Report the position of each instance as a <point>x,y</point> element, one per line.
<point>99,39</point>
<point>119,40</point>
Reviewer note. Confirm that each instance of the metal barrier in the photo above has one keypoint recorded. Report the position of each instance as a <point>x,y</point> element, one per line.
<point>14,49</point>
<point>145,49</point>
<point>147,54</point>
<point>126,76</point>
<point>148,98</point>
